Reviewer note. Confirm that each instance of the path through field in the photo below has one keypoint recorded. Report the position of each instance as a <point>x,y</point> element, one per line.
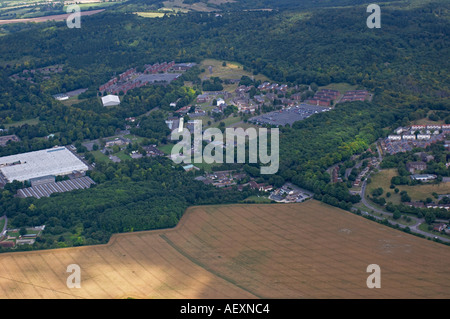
<point>307,250</point>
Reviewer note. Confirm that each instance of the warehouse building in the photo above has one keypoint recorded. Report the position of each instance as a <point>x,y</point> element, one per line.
<point>33,165</point>
<point>46,189</point>
<point>110,100</point>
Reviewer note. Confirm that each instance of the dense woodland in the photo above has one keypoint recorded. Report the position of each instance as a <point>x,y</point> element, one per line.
<point>131,196</point>
<point>404,63</point>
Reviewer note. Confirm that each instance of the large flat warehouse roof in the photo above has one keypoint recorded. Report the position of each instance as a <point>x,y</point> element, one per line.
<point>53,161</point>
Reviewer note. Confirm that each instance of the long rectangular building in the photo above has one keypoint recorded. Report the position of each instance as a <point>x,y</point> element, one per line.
<point>54,161</point>
<point>46,189</point>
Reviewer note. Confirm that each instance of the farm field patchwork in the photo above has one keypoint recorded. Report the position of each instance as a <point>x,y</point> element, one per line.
<point>307,250</point>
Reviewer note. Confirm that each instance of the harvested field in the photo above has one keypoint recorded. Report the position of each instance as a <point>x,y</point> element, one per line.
<point>58,17</point>
<point>307,250</point>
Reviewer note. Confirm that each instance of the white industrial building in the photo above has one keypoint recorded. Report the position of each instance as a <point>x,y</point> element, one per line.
<point>61,96</point>
<point>54,161</point>
<point>220,102</point>
<point>110,100</point>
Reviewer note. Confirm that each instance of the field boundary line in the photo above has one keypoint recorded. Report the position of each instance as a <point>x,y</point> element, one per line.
<point>41,287</point>
<point>200,264</point>
<point>116,236</point>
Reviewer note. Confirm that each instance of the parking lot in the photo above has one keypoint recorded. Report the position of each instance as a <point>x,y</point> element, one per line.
<point>288,115</point>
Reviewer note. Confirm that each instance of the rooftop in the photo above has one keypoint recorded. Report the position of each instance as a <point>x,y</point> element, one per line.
<point>53,161</point>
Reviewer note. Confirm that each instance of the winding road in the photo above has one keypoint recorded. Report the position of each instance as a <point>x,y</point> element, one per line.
<point>414,228</point>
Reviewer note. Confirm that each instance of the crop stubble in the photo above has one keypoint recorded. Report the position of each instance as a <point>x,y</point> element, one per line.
<point>307,250</point>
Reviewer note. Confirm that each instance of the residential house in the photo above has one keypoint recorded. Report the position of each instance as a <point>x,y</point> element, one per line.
<point>423,136</point>
<point>416,128</point>
<point>439,227</point>
<point>394,137</point>
<point>296,96</point>
<point>117,141</point>
<point>416,166</point>
<point>8,138</point>
<point>203,98</point>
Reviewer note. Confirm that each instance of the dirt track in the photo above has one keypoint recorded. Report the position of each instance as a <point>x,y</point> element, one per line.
<point>307,250</point>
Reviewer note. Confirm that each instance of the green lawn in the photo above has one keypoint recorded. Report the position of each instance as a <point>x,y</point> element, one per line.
<point>232,70</point>
<point>99,156</point>
<point>32,231</point>
<point>207,167</point>
<point>166,148</point>
<point>72,100</point>
<point>135,138</point>
<point>13,234</point>
<point>424,227</point>
<point>228,121</point>
<point>258,200</point>
<point>341,87</point>
<point>94,5</point>
<point>417,192</point>
<point>123,155</point>
<point>401,220</point>
<point>23,122</point>
<point>151,14</point>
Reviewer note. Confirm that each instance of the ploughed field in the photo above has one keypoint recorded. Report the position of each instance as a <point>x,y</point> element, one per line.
<point>306,250</point>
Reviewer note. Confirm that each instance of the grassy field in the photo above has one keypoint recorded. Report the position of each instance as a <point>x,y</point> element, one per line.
<point>166,148</point>
<point>426,121</point>
<point>123,155</point>
<point>99,156</point>
<point>418,192</point>
<point>73,100</point>
<point>20,123</point>
<point>34,9</point>
<point>135,138</point>
<point>341,87</point>
<point>232,70</point>
<point>95,5</point>
<point>179,5</point>
<point>424,227</point>
<point>257,199</point>
<point>403,220</point>
<point>307,250</point>
<point>229,121</point>
<point>151,14</point>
